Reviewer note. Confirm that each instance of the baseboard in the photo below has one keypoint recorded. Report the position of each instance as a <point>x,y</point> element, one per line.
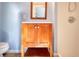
<point>59,55</point>
<point>17,51</point>
<point>14,51</point>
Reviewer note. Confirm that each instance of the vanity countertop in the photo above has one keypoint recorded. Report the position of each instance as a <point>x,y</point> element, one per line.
<point>37,22</point>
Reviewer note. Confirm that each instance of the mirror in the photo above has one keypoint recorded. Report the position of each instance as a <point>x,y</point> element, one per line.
<point>39,10</point>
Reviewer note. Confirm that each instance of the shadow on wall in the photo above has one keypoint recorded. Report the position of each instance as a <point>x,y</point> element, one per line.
<point>4,36</point>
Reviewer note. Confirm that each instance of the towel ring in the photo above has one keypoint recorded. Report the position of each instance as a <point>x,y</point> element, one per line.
<point>72,9</point>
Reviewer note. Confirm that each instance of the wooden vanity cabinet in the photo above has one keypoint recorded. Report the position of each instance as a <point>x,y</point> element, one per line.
<point>37,35</point>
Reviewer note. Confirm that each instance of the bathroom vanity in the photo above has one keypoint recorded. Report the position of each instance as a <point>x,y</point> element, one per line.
<point>37,35</point>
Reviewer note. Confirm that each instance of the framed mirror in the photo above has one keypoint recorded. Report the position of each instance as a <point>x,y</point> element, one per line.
<point>39,10</point>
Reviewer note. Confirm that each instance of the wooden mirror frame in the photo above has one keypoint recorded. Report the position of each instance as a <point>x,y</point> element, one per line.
<point>41,18</point>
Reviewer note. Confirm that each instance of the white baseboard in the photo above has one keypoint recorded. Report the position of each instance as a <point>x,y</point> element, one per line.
<point>17,51</point>
<point>14,51</point>
<point>59,55</point>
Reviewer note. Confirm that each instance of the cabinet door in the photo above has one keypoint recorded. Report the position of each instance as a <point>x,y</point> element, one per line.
<point>28,35</point>
<point>44,35</point>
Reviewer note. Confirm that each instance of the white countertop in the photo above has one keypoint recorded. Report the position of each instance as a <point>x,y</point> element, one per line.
<point>37,22</point>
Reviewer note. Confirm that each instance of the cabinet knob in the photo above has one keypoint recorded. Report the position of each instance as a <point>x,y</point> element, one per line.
<point>35,27</point>
<point>38,26</point>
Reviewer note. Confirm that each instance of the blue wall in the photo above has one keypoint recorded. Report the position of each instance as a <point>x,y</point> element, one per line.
<point>25,9</point>
<point>10,25</point>
<point>0,22</point>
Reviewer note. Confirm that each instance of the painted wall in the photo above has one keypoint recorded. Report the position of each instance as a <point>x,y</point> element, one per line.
<point>0,22</point>
<point>10,25</point>
<point>25,8</point>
